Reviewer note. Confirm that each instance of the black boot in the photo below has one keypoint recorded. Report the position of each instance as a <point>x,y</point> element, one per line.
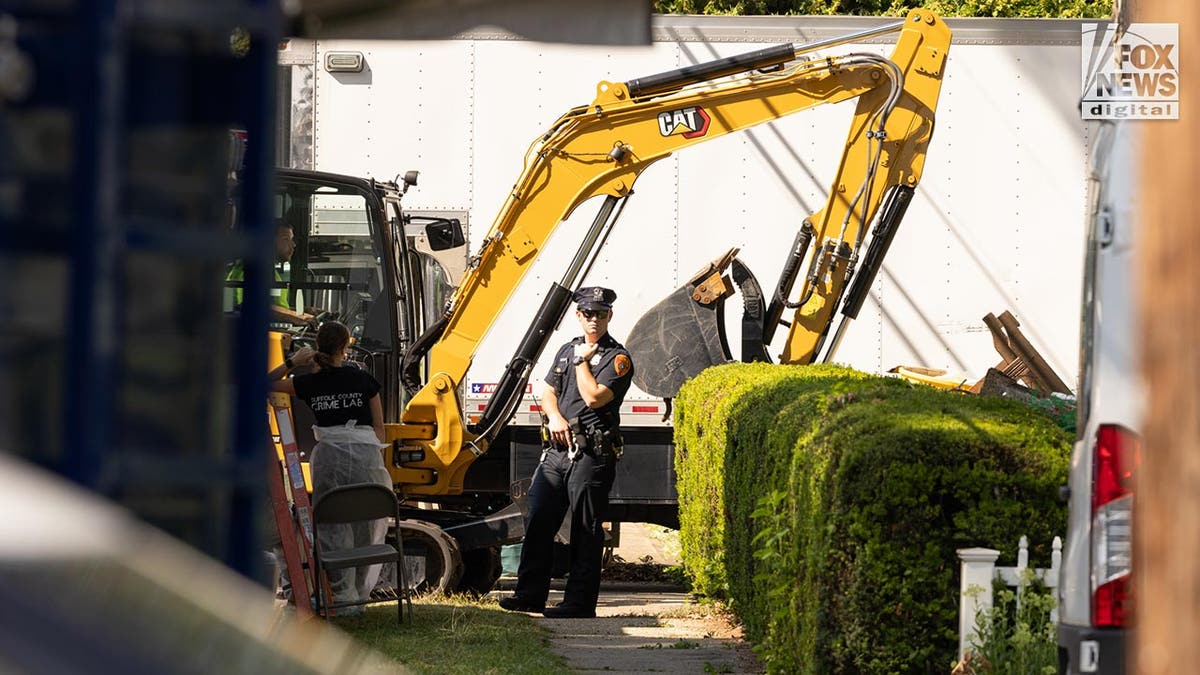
<point>515,603</point>
<point>570,612</point>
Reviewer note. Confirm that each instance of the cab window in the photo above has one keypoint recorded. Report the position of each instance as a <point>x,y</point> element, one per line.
<point>336,268</point>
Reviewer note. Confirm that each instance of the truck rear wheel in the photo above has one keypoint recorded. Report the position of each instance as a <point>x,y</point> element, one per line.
<point>481,568</point>
<point>432,556</point>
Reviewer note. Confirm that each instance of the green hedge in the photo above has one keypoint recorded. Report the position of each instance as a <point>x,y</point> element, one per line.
<point>826,506</point>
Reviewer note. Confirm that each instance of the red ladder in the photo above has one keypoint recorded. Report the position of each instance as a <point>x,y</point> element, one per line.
<point>290,503</point>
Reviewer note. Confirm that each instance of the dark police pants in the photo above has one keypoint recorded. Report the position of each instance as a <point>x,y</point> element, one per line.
<point>558,485</point>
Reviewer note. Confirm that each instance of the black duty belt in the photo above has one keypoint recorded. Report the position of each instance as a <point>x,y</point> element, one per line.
<point>595,440</point>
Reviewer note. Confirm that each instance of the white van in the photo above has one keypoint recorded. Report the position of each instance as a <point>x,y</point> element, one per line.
<point>1094,594</point>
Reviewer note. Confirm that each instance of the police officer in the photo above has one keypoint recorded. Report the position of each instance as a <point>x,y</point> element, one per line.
<point>582,403</point>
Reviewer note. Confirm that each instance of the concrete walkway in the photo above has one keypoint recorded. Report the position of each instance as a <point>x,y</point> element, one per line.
<point>642,628</point>
<point>648,631</point>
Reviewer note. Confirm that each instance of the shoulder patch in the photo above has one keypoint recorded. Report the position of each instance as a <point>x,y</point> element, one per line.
<point>622,364</point>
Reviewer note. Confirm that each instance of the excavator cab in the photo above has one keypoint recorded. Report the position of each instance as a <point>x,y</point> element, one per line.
<point>359,259</point>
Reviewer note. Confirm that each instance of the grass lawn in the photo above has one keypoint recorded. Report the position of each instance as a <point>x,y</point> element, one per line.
<point>456,635</point>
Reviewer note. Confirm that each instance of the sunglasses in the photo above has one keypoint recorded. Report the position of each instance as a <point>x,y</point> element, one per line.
<point>594,313</point>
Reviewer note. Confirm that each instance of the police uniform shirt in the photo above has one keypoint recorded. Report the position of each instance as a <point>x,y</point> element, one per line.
<point>337,395</point>
<point>612,367</point>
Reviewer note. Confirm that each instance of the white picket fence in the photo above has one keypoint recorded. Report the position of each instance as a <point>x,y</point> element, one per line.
<point>978,567</point>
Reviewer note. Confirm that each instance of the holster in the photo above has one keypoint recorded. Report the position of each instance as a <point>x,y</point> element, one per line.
<point>609,441</point>
<point>596,441</point>
<point>580,439</point>
<point>618,443</point>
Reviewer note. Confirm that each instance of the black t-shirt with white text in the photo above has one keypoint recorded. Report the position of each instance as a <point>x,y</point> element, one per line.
<point>337,395</point>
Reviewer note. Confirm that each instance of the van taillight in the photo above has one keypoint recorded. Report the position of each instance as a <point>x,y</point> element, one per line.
<point>1114,463</point>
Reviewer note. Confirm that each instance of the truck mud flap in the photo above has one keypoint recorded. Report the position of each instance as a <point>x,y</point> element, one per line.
<point>685,333</point>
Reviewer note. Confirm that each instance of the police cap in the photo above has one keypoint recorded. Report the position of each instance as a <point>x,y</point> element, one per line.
<point>595,297</point>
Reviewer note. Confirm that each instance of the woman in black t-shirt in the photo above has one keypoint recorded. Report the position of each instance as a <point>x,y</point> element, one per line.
<point>337,393</point>
<point>349,432</point>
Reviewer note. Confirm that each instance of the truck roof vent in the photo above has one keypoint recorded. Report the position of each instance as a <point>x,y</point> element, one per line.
<point>344,62</point>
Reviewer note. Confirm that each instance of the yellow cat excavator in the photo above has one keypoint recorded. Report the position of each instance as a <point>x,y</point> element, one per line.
<point>423,332</point>
<point>601,149</point>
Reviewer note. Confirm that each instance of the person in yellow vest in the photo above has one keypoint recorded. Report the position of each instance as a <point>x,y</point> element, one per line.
<point>281,305</point>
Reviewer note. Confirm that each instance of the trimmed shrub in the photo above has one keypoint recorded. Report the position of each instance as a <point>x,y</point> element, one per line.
<point>826,506</point>
<point>1019,8</point>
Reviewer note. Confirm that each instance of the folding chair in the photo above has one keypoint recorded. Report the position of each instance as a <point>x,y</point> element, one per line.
<point>353,503</point>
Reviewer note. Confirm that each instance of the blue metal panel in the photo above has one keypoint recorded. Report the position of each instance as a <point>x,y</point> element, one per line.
<point>94,247</point>
<point>118,368</point>
<point>250,433</point>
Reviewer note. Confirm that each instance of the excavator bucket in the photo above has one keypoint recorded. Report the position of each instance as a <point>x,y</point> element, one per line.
<point>685,333</point>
